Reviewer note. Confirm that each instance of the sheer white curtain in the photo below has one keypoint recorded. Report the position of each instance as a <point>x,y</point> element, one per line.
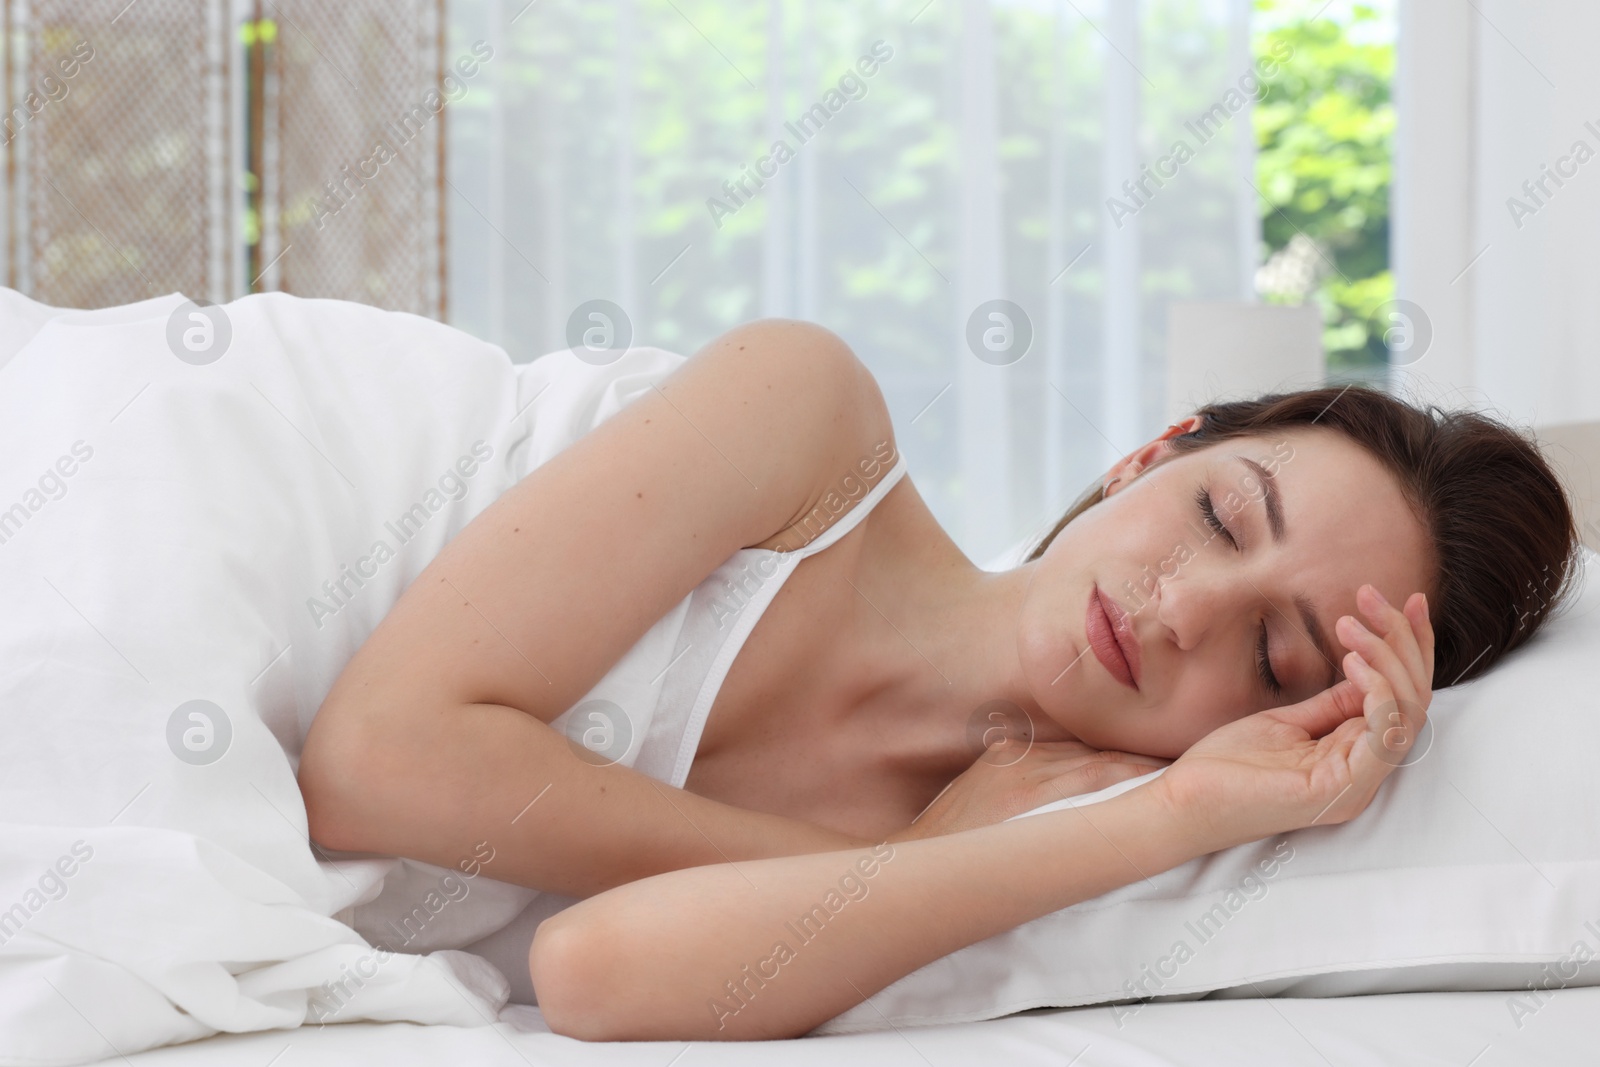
<point>626,150</point>
<point>1497,202</point>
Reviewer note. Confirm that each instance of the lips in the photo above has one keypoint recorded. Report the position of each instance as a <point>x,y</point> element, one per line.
<point>1111,638</point>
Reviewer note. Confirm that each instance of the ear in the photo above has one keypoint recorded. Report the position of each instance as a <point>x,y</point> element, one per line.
<point>1141,458</point>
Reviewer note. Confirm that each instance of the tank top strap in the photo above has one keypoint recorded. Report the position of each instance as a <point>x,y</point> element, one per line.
<point>854,514</point>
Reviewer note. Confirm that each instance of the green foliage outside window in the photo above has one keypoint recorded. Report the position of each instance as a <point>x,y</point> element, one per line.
<point>1323,133</point>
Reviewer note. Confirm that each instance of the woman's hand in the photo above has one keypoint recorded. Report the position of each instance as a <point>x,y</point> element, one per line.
<point>1017,775</point>
<point>1322,760</point>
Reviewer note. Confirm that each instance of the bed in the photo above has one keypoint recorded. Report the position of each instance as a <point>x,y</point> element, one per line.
<point>192,921</point>
<point>1405,1028</point>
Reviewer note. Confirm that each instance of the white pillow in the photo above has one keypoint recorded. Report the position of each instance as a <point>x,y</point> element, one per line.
<point>1477,866</point>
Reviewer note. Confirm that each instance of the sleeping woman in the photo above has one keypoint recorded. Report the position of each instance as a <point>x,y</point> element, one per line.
<point>1259,601</point>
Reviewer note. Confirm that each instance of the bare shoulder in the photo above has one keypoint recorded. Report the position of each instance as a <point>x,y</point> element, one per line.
<point>550,585</point>
<point>826,409</point>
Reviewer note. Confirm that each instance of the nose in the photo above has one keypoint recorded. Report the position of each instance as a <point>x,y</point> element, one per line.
<point>1192,601</point>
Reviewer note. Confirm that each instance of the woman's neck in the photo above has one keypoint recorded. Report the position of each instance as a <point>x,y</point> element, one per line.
<point>928,662</point>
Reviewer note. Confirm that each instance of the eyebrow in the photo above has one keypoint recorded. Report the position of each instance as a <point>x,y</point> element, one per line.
<point>1271,497</point>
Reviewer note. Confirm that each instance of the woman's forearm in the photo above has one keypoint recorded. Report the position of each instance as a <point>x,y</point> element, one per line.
<point>520,800</point>
<point>772,948</point>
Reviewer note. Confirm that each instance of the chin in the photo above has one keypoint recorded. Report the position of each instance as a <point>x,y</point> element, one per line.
<point>1042,661</point>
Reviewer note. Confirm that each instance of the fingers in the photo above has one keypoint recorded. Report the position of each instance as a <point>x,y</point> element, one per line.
<point>1392,724</point>
<point>1408,632</point>
<point>1376,689</point>
<point>1371,651</point>
<point>1395,675</point>
<point>1417,612</point>
<point>1400,630</point>
<point>1392,649</point>
<point>1325,711</point>
<point>1357,740</point>
<point>1377,695</point>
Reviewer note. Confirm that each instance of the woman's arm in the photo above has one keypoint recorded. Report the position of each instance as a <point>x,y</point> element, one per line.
<point>761,950</point>
<point>773,948</point>
<point>435,737</point>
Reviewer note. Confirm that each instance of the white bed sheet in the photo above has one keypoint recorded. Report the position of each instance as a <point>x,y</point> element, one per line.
<point>1400,1028</point>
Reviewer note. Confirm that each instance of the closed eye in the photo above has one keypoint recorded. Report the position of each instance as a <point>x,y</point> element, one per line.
<point>1208,510</point>
<point>1264,665</point>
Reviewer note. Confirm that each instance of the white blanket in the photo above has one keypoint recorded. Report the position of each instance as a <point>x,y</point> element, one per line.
<point>192,545</point>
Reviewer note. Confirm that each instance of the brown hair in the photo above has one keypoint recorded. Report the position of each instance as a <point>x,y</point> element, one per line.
<point>1502,530</point>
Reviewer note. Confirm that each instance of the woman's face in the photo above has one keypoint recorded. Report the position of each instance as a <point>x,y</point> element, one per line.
<point>1306,517</point>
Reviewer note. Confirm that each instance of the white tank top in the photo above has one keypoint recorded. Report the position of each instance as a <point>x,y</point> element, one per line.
<point>666,683</point>
<point>649,710</point>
